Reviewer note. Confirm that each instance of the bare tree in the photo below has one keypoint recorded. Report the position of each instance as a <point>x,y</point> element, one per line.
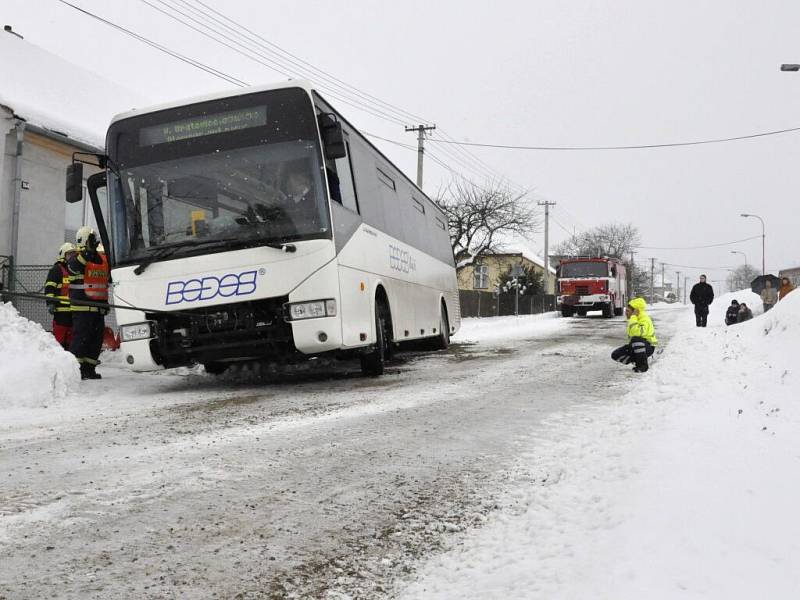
<point>740,277</point>
<point>614,239</point>
<point>480,218</point>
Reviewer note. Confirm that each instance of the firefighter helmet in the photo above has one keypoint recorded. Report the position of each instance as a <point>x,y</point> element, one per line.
<point>65,248</point>
<point>83,235</point>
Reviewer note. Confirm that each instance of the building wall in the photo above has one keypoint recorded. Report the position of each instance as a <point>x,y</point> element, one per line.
<point>43,222</point>
<point>498,264</point>
<point>8,147</point>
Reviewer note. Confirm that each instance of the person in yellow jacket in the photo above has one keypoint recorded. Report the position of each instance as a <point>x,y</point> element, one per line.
<point>642,339</point>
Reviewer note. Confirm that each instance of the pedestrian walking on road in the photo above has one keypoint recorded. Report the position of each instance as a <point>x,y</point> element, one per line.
<point>786,287</point>
<point>768,295</point>
<point>641,337</point>
<point>732,314</point>
<point>89,278</point>
<point>702,295</point>
<point>57,288</point>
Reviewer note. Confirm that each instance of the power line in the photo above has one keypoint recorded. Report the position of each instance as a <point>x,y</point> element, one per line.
<point>699,268</point>
<point>157,46</point>
<point>385,109</point>
<point>254,50</point>
<point>755,237</point>
<point>635,147</point>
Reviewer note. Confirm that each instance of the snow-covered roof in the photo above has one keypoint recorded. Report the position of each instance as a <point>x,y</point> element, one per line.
<point>56,95</point>
<point>525,252</point>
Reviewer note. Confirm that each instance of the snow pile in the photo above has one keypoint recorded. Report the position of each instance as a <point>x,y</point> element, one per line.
<point>685,487</point>
<point>716,312</point>
<point>34,369</point>
<point>498,329</point>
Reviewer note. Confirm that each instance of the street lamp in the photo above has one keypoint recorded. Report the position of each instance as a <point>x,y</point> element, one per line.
<point>742,253</point>
<point>763,239</point>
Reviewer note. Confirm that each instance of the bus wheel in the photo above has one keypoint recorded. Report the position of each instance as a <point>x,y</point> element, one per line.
<point>373,363</point>
<point>214,368</point>
<point>442,341</point>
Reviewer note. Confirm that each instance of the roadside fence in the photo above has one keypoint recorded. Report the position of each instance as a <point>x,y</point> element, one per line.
<point>475,303</point>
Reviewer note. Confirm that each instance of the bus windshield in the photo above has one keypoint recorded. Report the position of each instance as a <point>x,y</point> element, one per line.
<point>245,170</point>
<point>584,269</point>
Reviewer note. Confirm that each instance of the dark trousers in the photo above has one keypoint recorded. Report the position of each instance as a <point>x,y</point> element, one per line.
<point>636,352</point>
<point>87,338</point>
<point>701,314</point>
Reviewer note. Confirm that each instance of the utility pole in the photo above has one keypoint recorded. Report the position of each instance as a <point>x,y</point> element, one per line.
<point>547,204</point>
<point>678,285</point>
<point>663,283</point>
<point>629,283</point>
<point>420,129</point>
<point>652,277</point>
<point>685,285</point>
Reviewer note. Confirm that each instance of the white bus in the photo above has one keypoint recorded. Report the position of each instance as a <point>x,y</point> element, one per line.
<point>261,225</point>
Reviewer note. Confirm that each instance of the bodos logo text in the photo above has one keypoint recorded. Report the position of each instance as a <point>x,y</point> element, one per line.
<point>211,287</point>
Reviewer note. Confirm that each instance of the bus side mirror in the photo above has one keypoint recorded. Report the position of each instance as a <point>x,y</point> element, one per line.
<point>332,137</point>
<point>74,183</point>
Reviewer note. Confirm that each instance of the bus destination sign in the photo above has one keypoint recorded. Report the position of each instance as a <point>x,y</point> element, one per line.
<point>185,129</point>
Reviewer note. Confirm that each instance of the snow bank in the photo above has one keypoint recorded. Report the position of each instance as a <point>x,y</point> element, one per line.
<point>34,369</point>
<point>716,312</point>
<point>686,487</point>
<point>497,329</point>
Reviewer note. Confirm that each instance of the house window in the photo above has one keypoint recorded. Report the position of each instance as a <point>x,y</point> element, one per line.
<point>481,277</point>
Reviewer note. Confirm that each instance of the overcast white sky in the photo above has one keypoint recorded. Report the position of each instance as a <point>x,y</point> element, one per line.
<point>527,73</point>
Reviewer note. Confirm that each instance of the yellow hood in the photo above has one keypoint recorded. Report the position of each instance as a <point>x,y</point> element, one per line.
<point>638,303</point>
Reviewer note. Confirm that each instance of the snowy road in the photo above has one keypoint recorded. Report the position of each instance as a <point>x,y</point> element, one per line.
<point>332,485</point>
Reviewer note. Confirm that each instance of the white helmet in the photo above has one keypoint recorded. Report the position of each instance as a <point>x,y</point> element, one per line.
<point>64,249</point>
<point>83,235</point>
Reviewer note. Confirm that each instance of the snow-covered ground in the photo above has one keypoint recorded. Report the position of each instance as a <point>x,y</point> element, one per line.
<point>685,487</point>
<point>522,463</point>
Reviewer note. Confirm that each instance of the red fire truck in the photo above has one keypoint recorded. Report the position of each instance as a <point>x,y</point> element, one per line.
<point>591,283</point>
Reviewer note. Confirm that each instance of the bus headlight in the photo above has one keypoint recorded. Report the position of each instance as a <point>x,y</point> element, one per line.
<point>315,309</point>
<point>136,331</point>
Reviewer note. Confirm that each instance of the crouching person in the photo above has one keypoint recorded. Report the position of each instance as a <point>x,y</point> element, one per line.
<point>641,337</point>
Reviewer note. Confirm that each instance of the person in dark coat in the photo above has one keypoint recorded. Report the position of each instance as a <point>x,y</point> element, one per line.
<point>745,314</point>
<point>732,314</point>
<point>702,296</point>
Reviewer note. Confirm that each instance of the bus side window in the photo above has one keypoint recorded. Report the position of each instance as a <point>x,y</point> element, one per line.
<point>341,181</point>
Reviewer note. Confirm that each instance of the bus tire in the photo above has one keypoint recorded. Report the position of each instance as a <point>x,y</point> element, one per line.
<point>215,368</point>
<point>374,362</point>
<point>442,340</point>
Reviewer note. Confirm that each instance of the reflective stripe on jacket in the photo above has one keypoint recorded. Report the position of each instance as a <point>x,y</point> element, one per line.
<point>88,280</point>
<point>57,286</point>
<point>95,280</point>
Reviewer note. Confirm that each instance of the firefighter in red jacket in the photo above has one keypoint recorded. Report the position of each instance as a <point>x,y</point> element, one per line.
<point>57,288</point>
<point>89,279</point>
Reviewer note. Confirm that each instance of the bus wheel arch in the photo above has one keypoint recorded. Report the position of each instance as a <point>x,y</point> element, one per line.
<point>373,361</point>
<point>442,339</point>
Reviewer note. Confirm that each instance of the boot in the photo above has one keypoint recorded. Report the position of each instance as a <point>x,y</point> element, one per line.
<point>88,372</point>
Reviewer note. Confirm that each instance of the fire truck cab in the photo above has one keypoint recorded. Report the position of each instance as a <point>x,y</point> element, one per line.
<point>592,283</point>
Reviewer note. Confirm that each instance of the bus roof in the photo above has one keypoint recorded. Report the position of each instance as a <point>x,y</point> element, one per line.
<point>250,89</point>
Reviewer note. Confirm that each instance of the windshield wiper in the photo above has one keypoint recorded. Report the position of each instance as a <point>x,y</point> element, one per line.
<point>280,246</point>
<point>163,252</point>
